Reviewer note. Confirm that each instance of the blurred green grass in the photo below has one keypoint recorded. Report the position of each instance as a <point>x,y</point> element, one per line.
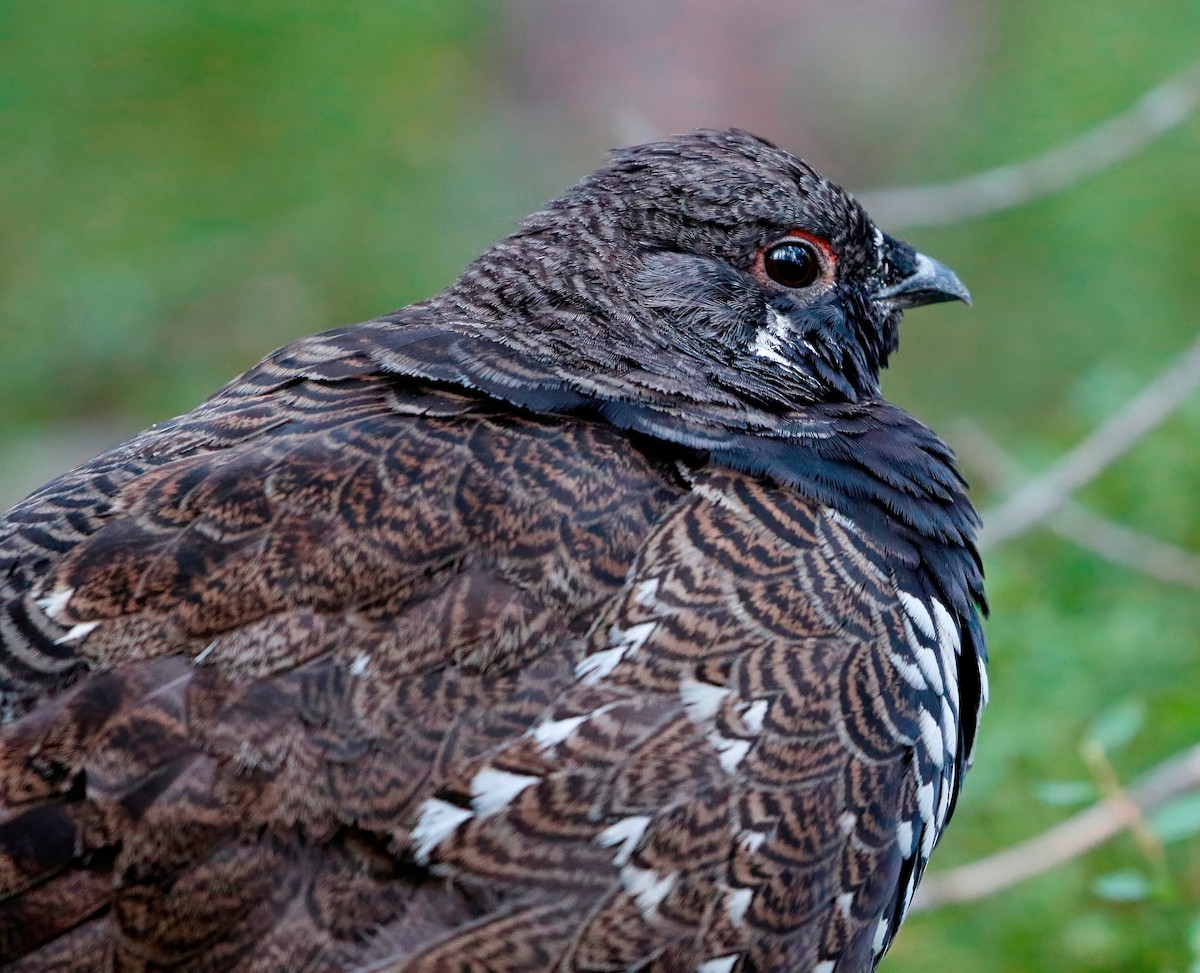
<point>185,187</point>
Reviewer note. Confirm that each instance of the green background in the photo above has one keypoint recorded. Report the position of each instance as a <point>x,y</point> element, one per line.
<point>185,186</point>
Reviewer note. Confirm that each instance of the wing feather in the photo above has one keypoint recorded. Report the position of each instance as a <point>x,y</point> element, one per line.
<point>343,671</point>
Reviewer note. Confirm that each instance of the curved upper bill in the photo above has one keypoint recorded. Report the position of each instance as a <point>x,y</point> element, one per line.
<point>930,283</point>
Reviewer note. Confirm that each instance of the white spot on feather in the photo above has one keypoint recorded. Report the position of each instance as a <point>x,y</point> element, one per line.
<point>983,680</point>
<point>908,671</point>
<point>635,636</point>
<point>949,728</point>
<point>56,602</point>
<point>754,715</point>
<point>928,664</point>
<point>437,821</point>
<point>76,633</point>
<point>701,699</point>
<point>730,752</point>
<point>647,887</point>
<point>843,903</point>
<point>951,672</point>
<point>825,966</point>
<point>943,807</point>
<point>947,628</point>
<point>359,665</point>
<point>752,840</point>
<point>737,901</point>
<point>925,802</point>
<point>718,964</point>
<point>492,790</point>
<point>596,666</point>
<point>925,658</point>
<point>552,733</point>
<point>930,832</point>
<point>717,497</point>
<point>645,593</point>
<point>627,833</point>
<point>916,610</point>
<point>904,837</point>
<point>881,932</point>
<point>847,821</point>
<point>910,891</point>
<point>928,840</point>
<point>931,736</point>
<point>841,520</point>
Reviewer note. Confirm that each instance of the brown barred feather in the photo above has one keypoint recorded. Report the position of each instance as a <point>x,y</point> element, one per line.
<point>456,642</point>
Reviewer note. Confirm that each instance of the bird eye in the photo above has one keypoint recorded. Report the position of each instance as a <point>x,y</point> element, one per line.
<point>792,264</point>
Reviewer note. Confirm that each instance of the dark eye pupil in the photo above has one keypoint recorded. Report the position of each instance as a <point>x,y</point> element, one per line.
<point>792,264</point>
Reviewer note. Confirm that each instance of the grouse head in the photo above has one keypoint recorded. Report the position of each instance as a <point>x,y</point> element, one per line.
<point>720,257</point>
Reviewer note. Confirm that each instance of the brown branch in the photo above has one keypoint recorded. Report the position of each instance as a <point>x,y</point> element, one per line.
<point>1112,141</point>
<point>1114,542</point>
<point>1043,496</point>
<point>1089,829</point>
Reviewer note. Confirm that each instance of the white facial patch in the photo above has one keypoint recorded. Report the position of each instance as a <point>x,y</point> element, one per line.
<point>769,341</point>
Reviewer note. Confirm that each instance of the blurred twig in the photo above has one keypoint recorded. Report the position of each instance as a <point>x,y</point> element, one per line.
<point>1149,555</point>
<point>1107,779</point>
<point>1074,522</point>
<point>1046,494</point>
<point>1172,778</point>
<point>1154,114</point>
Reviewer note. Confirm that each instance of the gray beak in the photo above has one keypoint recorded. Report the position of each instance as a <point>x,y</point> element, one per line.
<point>929,283</point>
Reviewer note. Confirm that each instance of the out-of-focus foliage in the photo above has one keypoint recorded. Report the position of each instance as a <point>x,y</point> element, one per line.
<point>185,186</point>
<point>1080,299</point>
